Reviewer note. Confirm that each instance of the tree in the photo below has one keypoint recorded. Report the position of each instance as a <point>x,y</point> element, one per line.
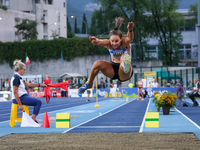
<point>54,34</point>
<point>130,11</point>
<point>70,34</point>
<point>166,26</point>
<point>193,12</point>
<point>28,29</point>
<point>68,25</point>
<point>84,23</point>
<point>76,29</point>
<point>153,19</point>
<point>99,23</point>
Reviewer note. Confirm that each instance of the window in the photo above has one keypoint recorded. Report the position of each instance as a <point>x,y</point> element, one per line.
<point>188,46</point>
<point>58,17</point>
<point>58,29</point>
<point>64,4</point>
<point>37,1</point>
<point>50,2</point>
<point>7,3</point>
<point>152,47</point>
<point>188,26</point>
<point>1,2</point>
<point>181,46</point>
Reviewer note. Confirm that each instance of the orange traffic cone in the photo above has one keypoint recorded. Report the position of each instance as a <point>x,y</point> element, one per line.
<point>46,121</point>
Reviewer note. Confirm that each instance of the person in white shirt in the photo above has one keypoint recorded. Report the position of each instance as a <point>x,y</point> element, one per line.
<point>155,84</point>
<point>195,93</point>
<point>149,85</point>
<point>19,94</point>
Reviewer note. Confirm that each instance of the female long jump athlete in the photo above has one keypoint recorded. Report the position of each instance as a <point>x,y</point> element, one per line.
<point>120,51</point>
<point>140,89</point>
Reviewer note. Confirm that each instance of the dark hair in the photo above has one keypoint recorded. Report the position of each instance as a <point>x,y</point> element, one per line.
<point>116,31</point>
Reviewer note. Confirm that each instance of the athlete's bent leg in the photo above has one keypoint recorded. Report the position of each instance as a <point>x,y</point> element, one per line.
<point>100,65</point>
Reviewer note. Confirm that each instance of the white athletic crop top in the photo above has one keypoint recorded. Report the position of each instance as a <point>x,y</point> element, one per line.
<point>117,53</point>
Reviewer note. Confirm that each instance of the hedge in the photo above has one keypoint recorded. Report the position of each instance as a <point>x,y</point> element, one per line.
<point>40,50</point>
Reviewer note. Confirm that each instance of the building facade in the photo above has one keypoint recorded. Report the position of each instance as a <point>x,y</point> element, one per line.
<point>50,16</point>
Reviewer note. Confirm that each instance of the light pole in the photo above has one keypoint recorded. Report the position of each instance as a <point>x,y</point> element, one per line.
<point>83,22</point>
<point>52,24</point>
<point>49,26</point>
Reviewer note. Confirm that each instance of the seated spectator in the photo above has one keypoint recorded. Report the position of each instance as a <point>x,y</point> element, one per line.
<point>195,92</point>
<point>189,85</point>
<point>149,85</point>
<point>3,86</point>
<point>155,84</point>
<point>102,84</point>
<point>119,84</point>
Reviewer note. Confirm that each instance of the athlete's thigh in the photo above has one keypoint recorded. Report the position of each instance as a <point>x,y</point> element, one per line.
<point>107,69</point>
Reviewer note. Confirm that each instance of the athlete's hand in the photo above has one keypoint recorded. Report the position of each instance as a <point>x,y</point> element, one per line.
<point>93,39</point>
<point>130,26</point>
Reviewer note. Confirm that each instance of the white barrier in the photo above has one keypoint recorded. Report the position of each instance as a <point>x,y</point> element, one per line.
<point>74,93</point>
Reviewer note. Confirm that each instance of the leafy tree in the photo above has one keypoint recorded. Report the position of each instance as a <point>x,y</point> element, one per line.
<point>130,11</point>
<point>54,34</point>
<point>193,12</point>
<point>152,18</point>
<point>70,34</point>
<point>93,28</point>
<point>84,23</point>
<point>68,25</point>
<point>28,29</point>
<point>76,29</point>
<point>99,23</point>
<point>3,7</point>
<point>166,26</point>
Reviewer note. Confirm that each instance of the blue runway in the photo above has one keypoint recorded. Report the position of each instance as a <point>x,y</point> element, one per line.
<point>113,115</point>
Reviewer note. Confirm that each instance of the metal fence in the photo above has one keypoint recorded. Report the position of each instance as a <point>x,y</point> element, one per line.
<point>166,77</point>
<point>6,86</point>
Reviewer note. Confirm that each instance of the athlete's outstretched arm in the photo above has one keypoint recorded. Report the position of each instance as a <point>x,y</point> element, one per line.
<point>130,34</point>
<point>96,41</point>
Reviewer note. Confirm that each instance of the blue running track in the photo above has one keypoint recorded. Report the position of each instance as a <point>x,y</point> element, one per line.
<point>113,115</point>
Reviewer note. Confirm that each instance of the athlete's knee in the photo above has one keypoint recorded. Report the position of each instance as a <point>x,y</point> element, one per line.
<point>97,63</point>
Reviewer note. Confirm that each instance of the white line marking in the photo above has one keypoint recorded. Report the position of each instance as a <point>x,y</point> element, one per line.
<point>109,127</point>
<point>143,121</point>
<point>50,111</point>
<point>98,116</point>
<point>188,118</point>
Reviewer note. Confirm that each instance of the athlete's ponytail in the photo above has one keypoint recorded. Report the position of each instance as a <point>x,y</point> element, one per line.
<point>118,22</point>
<point>116,31</point>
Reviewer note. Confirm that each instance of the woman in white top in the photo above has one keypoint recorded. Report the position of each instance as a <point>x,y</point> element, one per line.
<point>19,94</point>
